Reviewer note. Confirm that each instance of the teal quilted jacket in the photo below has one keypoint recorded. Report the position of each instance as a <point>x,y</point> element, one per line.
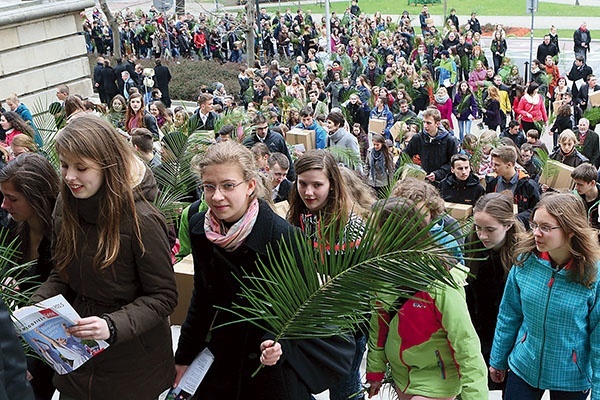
<point>547,331</point>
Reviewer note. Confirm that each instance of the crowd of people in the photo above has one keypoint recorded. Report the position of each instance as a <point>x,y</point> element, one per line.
<point>96,237</point>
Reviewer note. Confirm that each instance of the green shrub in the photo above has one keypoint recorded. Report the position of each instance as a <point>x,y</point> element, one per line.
<point>189,76</point>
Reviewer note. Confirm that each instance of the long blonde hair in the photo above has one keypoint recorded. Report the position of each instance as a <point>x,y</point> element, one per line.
<point>94,138</point>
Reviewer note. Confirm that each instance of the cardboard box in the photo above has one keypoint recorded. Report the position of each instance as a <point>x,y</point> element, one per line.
<point>557,175</point>
<point>377,125</point>
<point>594,98</point>
<point>459,211</point>
<point>429,22</point>
<point>282,208</point>
<point>412,171</point>
<point>398,129</point>
<point>301,136</point>
<point>184,276</point>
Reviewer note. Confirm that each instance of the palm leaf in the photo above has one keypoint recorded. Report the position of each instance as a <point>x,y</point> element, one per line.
<point>174,177</point>
<point>345,156</point>
<point>14,276</point>
<point>46,126</point>
<point>307,293</point>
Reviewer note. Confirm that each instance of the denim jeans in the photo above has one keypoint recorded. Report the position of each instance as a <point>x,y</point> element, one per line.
<point>352,383</point>
<point>518,389</point>
<point>464,127</point>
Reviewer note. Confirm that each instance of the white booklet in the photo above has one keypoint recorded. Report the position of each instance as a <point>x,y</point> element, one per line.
<point>44,327</point>
<point>192,376</point>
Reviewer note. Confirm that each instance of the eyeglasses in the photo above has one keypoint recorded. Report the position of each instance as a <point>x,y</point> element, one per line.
<point>542,228</point>
<point>223,187</point>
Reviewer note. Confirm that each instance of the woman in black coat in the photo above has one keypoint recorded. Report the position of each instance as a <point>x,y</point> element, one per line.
<point>226,242</point>
<point>491,109</point>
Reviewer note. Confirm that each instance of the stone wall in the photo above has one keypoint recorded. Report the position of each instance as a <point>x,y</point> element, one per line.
<point>41,47</point>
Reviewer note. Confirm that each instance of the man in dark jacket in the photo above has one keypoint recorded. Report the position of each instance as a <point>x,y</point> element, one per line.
<point>13,370</point>
<point>526,192</point>
<point>119,68</point>
<point>530,161</point>
<point>589,141</point>
<point>582,38</point>
<point>373,72</point>
<point>546,48</point>
<point>274,141</point>
<point>162,77</point>
<point>461,185</point>
<point>435,147</point>
<point>585,176</point>
<point>204,117</point>
<point>97,80</point>
<point>578,74</point>
<point>583,96</point>
<point>514,133</point>
<point>405,114</point>
<point>108,81</point>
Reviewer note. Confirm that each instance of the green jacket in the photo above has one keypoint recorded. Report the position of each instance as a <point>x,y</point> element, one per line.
<point>430,344</point>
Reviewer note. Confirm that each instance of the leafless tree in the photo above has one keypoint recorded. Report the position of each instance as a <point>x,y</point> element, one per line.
<point>114,26</point>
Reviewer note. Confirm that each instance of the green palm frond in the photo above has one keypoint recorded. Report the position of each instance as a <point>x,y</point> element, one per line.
<point>345,156</point>
<point>307,291</point>
<point>234,117</point>
<point>14,276</point>
<point>174,177</point>
<point>46,126</point>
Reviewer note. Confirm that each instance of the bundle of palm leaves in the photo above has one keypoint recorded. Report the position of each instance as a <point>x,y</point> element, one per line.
<point>314,291</point>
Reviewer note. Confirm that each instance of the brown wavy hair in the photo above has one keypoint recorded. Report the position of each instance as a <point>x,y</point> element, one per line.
<point>569,210</point>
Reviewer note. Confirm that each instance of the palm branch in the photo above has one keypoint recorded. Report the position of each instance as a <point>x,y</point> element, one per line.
<point>308,292</point>
<point>174,177</point>
<point>46,126</point>
<point>345,156</point>
<point>14,276</point>
<point>477,151</point>
<point>464,103</point>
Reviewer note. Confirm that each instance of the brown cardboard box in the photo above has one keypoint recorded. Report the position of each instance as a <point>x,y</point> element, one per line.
<point>398,129</point>
<point>557,175</point>
<point>412,171</point>
<point>377,125</point>
<point>184,276</point>
<point>459,211</point>
<point>301,136</point>
<point>595,98</point>
<point>282,208</point>
<point>429,22</point>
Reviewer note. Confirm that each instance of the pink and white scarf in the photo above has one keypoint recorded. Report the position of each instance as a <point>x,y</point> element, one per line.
<point>232,238</point>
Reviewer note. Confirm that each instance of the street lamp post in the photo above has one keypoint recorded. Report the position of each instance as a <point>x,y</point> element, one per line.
<point>531,9</point>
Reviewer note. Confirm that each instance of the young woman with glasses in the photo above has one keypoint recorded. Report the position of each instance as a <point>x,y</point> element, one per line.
<point>226,241</point>
<point>547,332</point>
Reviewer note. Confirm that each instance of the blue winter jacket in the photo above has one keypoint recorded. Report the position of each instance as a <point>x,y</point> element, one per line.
<point>547,331</point>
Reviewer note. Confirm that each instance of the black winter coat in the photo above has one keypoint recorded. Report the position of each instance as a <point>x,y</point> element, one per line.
<point>463,192</point>
<point>526,195</point>
<point>162,77</point>
<point>237,347</point>
<point>13,370</point>
<point>435,153</point>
